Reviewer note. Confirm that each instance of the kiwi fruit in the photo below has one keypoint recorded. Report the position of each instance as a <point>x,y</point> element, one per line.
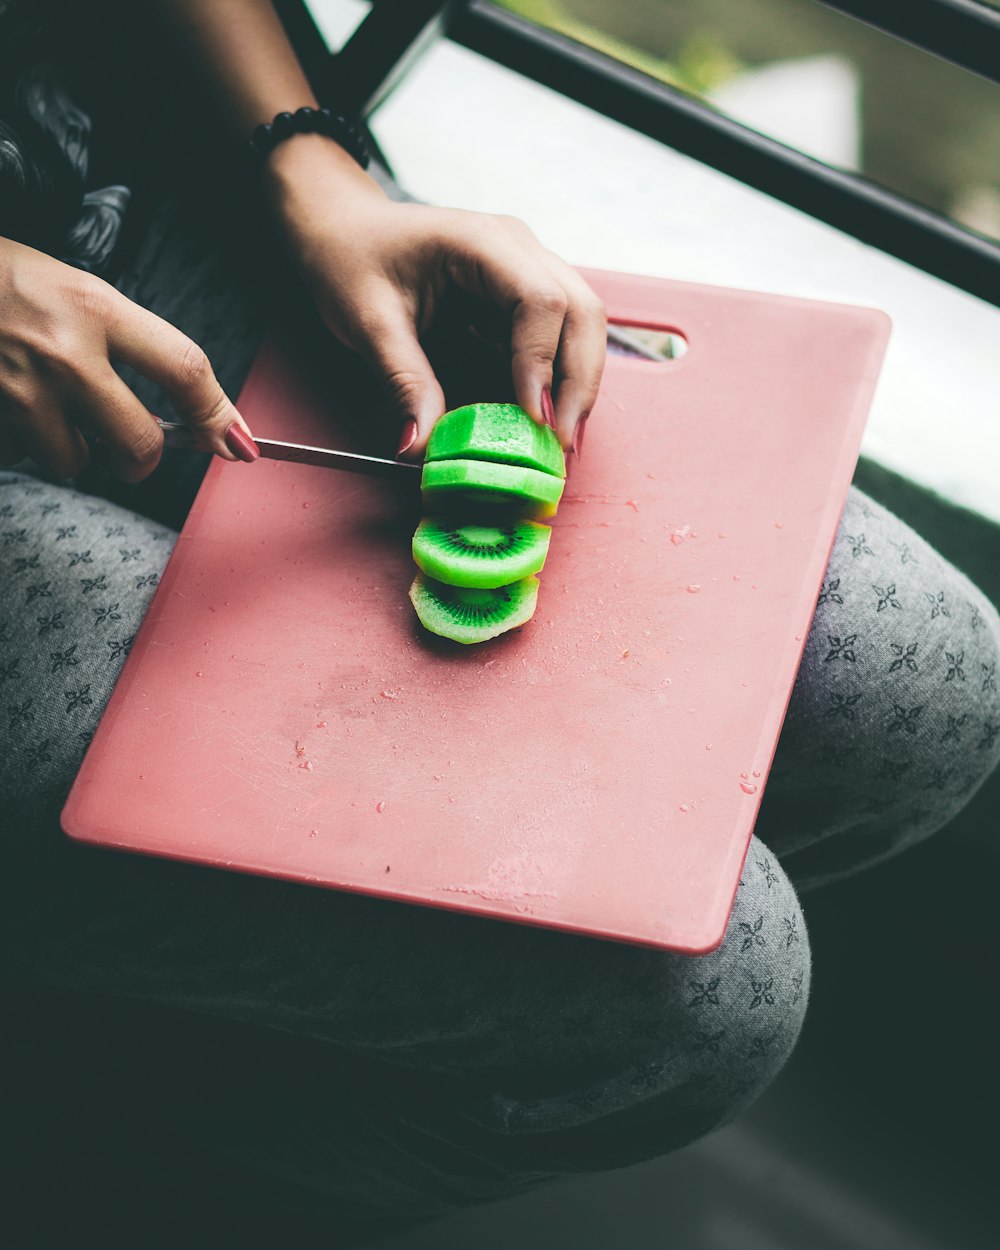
<point>469,614</point>
<point>497,432</point>
<point>482,485</point>
<point>480,555</point>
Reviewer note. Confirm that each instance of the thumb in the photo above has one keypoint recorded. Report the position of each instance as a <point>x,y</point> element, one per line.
<point>390,346</point>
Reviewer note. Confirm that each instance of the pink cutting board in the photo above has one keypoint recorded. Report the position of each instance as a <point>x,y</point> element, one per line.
<point>599,770</point>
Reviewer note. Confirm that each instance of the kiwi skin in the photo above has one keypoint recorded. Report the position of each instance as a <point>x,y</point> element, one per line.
<point>487,556</point>
<point>501,432</point>
<point>470,615</point>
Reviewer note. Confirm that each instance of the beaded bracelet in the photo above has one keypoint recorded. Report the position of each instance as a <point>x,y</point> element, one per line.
<point>267,136</point>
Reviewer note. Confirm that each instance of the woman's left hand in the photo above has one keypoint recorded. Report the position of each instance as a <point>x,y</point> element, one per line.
<point>378,271</point>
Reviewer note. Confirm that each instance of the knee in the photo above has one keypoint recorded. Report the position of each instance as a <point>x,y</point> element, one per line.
<point>698,1038</point>
<point>899,676</point>
<point>81,573</point>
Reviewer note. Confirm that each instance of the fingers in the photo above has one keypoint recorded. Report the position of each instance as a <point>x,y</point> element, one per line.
<point>386,338</point>
<point>580,361</point>
<point>131,442</point>
<point>558,325</point>
<point>44,433</point>
<point>160,352</point>
<point>11,448</point>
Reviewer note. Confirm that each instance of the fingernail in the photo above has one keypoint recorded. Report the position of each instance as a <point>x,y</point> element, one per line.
<point>241,444</point>
<point>409,436</point>
<point>548,412</point>
<point>578,433</point>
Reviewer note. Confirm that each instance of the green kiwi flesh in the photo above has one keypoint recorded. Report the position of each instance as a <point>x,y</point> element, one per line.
<point>480,555</point>
<point>483,485</point>
<point>469,614</point>
<point>500,432</point>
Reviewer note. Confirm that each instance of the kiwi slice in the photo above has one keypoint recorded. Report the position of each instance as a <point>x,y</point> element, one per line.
<point>480,555</point>
<point>473,613</point>
<point>479,485</point>
<point>502,432</point>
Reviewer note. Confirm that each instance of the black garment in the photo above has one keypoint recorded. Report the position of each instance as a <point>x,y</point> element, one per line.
<point>46,197</point>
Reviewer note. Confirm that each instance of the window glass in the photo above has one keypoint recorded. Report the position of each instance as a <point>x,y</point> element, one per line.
<point>817,80</point>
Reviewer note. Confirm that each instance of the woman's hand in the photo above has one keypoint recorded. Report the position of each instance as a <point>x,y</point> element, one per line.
<point>378,271</point>
<point>60,331</point>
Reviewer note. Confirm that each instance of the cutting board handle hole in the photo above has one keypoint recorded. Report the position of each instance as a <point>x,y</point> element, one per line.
<point>655,345</point>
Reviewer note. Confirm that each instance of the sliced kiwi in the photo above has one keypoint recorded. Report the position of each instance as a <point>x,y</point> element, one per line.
<point>501,432</point>
<point>473,614</point>
<point>480,555</point>
<point>481,485</point>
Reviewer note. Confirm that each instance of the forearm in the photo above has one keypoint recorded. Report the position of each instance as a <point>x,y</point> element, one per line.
<point>241,52</point>
<point>240,49</point>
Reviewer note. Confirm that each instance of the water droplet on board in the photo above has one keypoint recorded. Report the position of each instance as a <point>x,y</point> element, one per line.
<point>306,504</point>
<point>684,808</point>
<point>199,673</point>
<point>722,534</point>
<point>779,525</point>
<point>756,773</point>
<point>313,832</point>
<point>321,724</point>
<point>380,806</point>
<point>744,775</point>
<point>694,589</point>
<point>631,503</point>
<point>708,746</point>
<point>748,787</point>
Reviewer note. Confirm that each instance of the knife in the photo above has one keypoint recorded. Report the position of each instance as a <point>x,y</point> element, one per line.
<point>175,434</point>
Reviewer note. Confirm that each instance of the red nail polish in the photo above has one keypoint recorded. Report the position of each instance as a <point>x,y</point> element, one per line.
<point>241,444</point>
<point>548,412</point>
<point>578,433</point>
<point>409,436</point>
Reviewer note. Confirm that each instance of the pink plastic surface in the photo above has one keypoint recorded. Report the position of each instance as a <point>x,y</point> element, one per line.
<point>599,770</point>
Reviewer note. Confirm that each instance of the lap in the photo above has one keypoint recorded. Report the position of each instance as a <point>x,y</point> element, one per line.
<point>894,719</point>
<point>557,1050</point>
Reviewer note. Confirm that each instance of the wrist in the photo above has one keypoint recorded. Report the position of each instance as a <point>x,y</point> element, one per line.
<point>293,170</point>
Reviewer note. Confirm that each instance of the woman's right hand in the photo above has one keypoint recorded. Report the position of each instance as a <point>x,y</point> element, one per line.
<point>60,331</point>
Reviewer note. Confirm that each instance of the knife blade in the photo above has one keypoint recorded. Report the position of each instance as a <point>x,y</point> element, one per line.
<point>175,434</point>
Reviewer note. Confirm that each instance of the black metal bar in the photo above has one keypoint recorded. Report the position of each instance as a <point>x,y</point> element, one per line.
<point>381,50</point>
<point>844,200</point>
<point>963,31</point>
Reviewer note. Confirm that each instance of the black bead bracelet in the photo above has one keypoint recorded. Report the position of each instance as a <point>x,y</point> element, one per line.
<point>322,121</point>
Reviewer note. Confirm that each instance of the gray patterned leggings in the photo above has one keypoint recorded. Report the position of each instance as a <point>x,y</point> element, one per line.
<point>465,1059</point>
